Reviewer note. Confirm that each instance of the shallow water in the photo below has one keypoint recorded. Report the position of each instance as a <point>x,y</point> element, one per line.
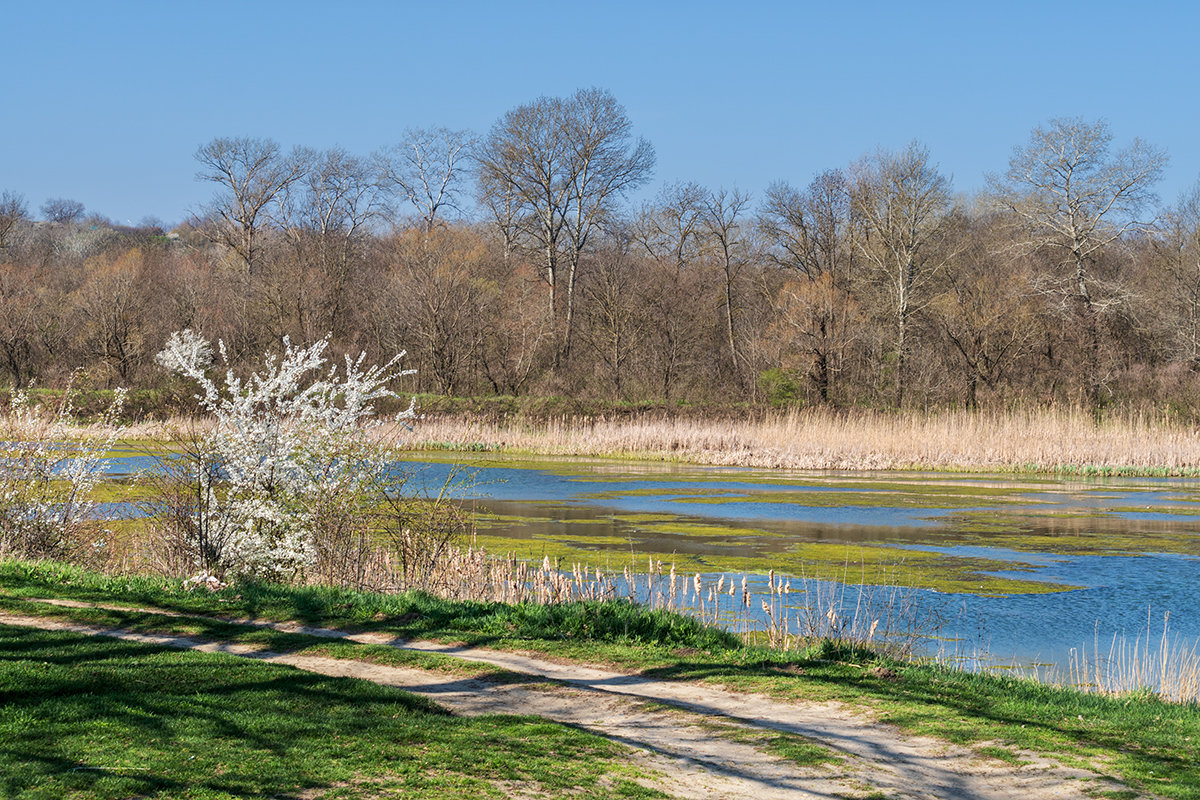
<point>1022,568</point>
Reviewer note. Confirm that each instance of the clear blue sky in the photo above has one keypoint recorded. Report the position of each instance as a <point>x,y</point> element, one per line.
<point>106,102</point>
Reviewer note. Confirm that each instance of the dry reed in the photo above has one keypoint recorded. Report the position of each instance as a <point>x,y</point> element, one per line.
<point>1042,439</point>
<point>1169,668</point>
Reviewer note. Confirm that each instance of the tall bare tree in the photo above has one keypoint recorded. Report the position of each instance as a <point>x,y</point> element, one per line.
<point>670,231</point>
<point>808,235</point>
<point>728,245</point>
<point>983,307</point>
<point>326,214</point>
<point>1075,198</point>
<point>251,174</point>
<point>902,202</point>
<point>1178,251</point>
<point>561,164</point>
<point>62,210</point>
<point>13,212</point>
<point>614,314</point>
<point>427,169</point>
<point>605,162</point>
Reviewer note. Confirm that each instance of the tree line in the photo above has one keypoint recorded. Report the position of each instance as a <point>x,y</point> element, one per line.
<point>515,263</point>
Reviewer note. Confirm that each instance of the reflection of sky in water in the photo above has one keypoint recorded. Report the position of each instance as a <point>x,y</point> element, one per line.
<point>1123,595</point>
<point>660,496</point>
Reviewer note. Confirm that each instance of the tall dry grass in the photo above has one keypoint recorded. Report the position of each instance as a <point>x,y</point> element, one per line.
<point>1066,440</point>
<point>1167,665</point>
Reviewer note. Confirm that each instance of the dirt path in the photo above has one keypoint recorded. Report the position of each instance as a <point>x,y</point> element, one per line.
<point>702,746</point>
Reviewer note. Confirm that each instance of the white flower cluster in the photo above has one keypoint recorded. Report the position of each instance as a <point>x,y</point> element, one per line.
<point>47,475</point>
<point>289,443</point>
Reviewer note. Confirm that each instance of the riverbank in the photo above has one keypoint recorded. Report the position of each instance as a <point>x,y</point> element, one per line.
<point>1067,442</point>
<point>1058,440</point>
<point>819,714</point>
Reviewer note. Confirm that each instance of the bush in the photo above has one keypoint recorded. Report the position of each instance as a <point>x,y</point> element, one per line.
<point>779,386</point>
<point>286,482</point>
<point>46,477</point>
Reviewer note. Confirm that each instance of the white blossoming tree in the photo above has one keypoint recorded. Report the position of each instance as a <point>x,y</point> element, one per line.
<point>289,465</point>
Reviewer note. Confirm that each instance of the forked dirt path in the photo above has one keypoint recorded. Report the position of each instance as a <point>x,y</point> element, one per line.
<point>701,745</point>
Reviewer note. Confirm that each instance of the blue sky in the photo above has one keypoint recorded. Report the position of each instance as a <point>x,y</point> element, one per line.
<point>105,103</point>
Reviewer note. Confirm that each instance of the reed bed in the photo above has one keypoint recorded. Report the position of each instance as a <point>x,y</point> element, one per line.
<point>787,612</point>
<point>1168,667</point>
<point>1062,440</point>
<point>1054,440</point>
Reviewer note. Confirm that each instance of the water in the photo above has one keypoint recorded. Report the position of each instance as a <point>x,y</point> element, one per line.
<point>1023,569</point>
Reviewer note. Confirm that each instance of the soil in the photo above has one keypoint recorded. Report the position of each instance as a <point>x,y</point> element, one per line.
<point>692,741</point>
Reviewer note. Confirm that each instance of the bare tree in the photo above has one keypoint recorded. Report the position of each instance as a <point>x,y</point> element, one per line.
<point>326,215</point>
<point>1075,199</point>
<point>605,162</point>
<point>251,173</point>
<point>13,212</point>
<point>983,307</point>
<point>1178,251</point>
<point>560,164</point>
<point>728,245</point>
<point>427,170</point>
<point>902,201</point>
<point>523,175</point>
<point>62,210</point>
<point>670,231</point>
<point>808,235</point>
<point>614,316</point>
<point>28,307</point>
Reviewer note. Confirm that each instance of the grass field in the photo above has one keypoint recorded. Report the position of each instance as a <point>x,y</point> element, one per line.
<point>88,717</point>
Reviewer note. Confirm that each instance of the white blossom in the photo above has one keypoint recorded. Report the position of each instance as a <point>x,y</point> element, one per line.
<point>288,438</point>
<point>47,474</point>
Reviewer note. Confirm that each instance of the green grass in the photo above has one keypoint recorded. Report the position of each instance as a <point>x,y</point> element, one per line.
<point>89,717</point>
<point>1146,743</point>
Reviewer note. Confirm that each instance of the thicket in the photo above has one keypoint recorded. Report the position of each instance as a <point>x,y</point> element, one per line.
<point>873,285</point>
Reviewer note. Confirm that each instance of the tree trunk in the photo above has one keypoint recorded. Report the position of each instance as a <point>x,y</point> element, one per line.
<point>1092,330</point>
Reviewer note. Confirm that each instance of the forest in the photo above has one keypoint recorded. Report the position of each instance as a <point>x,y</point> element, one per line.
<point>524,261</point>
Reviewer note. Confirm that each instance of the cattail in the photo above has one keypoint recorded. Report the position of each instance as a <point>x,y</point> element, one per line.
<point>771,581</point>
<point>721,584</point>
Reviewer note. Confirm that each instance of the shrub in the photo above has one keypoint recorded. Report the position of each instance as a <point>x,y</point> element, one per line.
<point>46,477</point>
<point>286,480</point>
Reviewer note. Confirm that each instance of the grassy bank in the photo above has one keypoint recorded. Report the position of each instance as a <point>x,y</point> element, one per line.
<point>1138,739</point>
